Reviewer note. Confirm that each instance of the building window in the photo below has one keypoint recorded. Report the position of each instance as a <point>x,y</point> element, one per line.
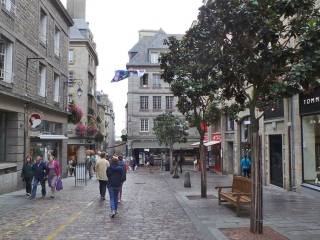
<point>2,136</point>
<point>154,57</point>
<point>42,81</point>
<point>156,81</point>
<point>144,80</point>
<point>169,102</point>
<point>43,27</point>
<point>6,51</point>
<point>157,102</point>
<point>70,98</point>
<point>56,88</point>
<point>57,41</point>
<point>144,126</point>
<point>70,78</point>
<point>311,149</point>
<point>71,56</point>
<point>144,102</point>
<point>229,124</point>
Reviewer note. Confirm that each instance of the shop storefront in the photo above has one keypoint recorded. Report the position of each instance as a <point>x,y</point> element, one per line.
<point>310,119</point>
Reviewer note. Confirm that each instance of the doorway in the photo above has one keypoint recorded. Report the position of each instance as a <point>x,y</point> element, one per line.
<point>276,174</point>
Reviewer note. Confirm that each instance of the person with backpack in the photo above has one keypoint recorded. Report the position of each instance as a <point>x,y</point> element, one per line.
<point>115,178</point>
<point>27,174</point>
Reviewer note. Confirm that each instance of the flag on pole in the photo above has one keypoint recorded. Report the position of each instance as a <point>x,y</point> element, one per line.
<point>120,75</point>
<point>123,74</point>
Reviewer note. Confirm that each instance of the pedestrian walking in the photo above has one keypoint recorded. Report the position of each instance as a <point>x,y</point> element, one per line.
<point>181,161</point>
<point>92,163</point>
<point>115,175</point>
<point>40,176</point>
<point>245,165</point>
<point>124,178</point>
<point>72,165</point>
<point>101,174</point>
<point>27,174</point>
<point>53,173</point>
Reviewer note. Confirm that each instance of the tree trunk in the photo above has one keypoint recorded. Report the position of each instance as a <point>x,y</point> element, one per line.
<point>171,159</point>
<point>256,224</point>
<point>203,168</point>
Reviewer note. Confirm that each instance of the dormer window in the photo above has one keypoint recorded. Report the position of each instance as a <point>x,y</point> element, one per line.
<point>154,57</point>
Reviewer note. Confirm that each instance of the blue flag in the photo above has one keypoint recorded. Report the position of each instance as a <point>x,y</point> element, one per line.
<point>120,75</point>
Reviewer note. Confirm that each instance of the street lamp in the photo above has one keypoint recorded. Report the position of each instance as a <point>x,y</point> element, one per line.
<point>79,91</point>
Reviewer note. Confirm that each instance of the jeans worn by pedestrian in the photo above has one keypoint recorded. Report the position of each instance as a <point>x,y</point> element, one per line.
<point>35,185</point>
<point>103,188</point>
<point>28,181</point>
<point>113,193</point>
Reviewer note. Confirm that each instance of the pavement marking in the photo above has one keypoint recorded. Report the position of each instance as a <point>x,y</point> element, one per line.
<point>56,232</point>
<point>90,203</point>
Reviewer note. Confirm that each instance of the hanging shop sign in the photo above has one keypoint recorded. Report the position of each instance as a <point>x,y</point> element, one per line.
<point>310,103</point>
<point>35,121</point>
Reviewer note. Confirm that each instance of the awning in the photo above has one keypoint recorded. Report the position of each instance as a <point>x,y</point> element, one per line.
<point>52,137</point>
<point>210,143</point>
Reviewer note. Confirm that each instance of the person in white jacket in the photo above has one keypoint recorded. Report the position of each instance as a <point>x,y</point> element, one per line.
<point>101,174</point>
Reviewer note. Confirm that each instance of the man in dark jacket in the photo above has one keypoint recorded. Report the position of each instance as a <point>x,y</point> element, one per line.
<point>115,175</point>
<point>40,175</point>
<point>124,177</point>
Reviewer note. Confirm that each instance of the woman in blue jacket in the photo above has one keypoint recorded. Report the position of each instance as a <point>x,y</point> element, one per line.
<point>115,175</point>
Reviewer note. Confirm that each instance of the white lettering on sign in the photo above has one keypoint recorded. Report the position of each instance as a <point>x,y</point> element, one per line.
<point>311,100</point>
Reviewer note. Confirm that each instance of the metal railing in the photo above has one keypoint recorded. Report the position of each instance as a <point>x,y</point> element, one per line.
<point>80,174</point>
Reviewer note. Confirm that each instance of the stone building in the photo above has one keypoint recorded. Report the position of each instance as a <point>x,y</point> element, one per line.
<point>149,96</point>
<point>110,122</point>
<point>83,62</point>
<point>290,141</point>
<point>34,43</point>
<point>107,125</point>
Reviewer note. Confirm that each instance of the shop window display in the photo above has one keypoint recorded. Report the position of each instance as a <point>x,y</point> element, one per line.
<point>311,149</point>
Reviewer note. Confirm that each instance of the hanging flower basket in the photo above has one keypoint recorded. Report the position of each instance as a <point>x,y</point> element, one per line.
<point>81,130</point>
<point>91,130</point>
<point>76,113</point>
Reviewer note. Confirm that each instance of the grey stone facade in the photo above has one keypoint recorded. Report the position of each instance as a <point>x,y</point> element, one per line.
<point>19,90</point>
<point>143,56</point>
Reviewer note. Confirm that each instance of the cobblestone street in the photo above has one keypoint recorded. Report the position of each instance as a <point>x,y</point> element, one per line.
<point>154,206</point>
<point>149,211</point>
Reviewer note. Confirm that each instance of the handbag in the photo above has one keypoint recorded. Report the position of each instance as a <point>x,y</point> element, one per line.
<point>59,185</point>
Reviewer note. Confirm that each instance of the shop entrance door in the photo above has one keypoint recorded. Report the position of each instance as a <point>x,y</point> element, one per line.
<point>276,175</point>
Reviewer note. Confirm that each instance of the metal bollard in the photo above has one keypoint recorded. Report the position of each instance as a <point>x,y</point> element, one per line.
<point>187,181</point>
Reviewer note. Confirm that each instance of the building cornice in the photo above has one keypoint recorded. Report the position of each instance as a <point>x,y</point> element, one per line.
<point>89,45</point>
<point>63,11</point>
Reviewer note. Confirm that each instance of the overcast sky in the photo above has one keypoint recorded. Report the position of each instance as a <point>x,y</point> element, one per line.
<point>115,25</point>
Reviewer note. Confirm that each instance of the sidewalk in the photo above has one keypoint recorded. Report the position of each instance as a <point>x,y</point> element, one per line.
<point>291,214</point>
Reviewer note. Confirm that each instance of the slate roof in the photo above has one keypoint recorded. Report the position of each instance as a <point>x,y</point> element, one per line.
<point>147,43</point>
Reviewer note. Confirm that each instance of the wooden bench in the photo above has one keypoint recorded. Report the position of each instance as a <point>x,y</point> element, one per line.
<point>240,193</point>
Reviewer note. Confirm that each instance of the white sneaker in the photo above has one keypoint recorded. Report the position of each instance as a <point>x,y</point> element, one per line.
<point>113,213</point>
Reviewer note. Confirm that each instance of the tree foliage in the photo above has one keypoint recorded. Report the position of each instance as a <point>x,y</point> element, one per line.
<point>261,50</point>
<point>170,129</point>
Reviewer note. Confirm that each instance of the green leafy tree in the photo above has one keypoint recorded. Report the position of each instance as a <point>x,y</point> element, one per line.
<point>170,129</point>
<point>260,51</point>
<point>187,70</point>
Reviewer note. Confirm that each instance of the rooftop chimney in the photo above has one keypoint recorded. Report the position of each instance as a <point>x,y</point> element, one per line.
<point>77,9</point>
